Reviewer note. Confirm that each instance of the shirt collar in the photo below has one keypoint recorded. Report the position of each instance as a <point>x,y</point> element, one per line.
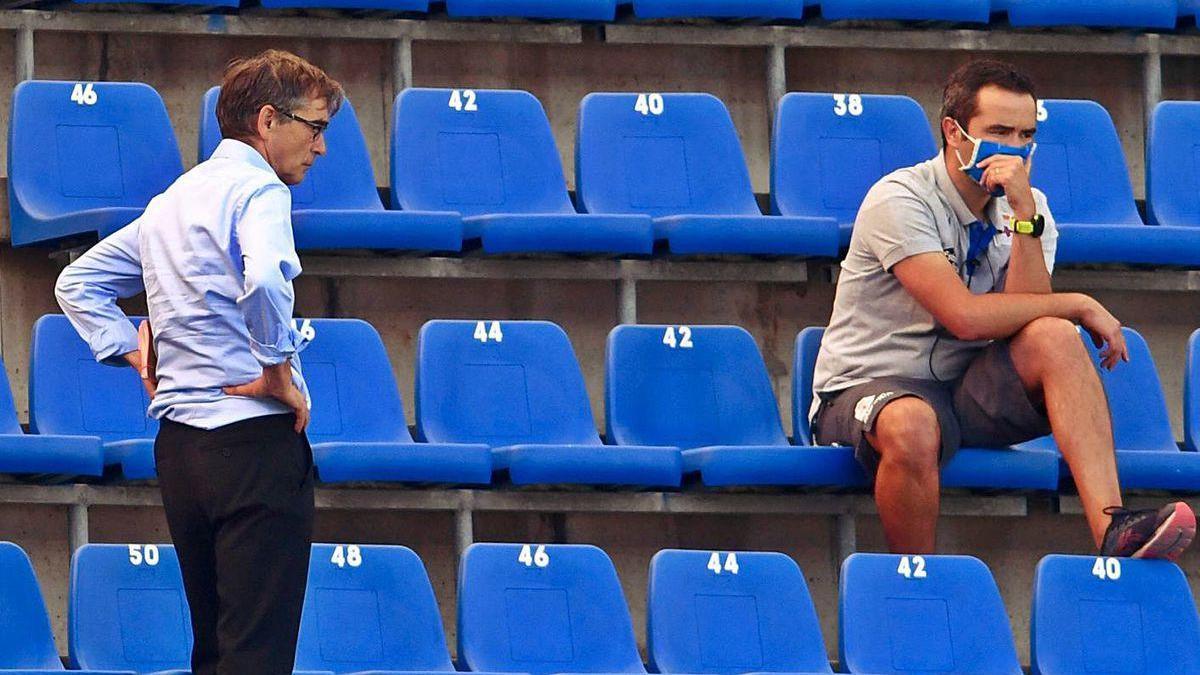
<point>231,148</point>
<point>961,212</point>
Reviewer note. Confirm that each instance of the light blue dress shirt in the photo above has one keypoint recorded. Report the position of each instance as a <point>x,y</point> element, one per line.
<point>215,255</point>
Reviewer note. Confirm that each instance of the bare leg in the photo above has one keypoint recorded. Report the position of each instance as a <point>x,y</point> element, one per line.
<point>907,436</point>
<point>1055,366</point>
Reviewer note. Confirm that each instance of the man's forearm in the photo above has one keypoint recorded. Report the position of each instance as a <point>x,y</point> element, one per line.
<point>1027,271</point>
<point>999,315</point>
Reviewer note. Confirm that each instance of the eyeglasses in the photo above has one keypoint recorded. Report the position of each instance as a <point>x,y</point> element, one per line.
<point>317,127</point>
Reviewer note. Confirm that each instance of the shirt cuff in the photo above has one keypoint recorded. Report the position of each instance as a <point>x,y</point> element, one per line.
<point>112,342</point>
<point>290,342</point>
<point>902,251</point>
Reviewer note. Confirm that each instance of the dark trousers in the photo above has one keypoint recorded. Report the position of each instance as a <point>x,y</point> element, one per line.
<point>239,504</point>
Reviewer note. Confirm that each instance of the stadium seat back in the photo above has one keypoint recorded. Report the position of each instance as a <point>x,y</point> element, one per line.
<point>829,149</point>
<point>128,610</point>
<point>585,10</point>
<point>1101,13</point>
<point>724,612</point>
<point>500,383</point>
<point>804,364</point>
<point>26,639</point>
<point>660,154</point>
<point>71,394</point>
<point>905,614</point>
<point>78,146</point>
<point>1112,615</point>
<point>543,609</point>
<point>350,379</point>
<point>1173,164</point>
<point>1080,165</point>
<point>370,608</point>
<point>1140,418</point>
<point>689,386</point>
<point>341,179</point>
<point>475,152</point>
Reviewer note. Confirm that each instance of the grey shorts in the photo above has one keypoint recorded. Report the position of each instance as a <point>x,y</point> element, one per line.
<point>987,407</point>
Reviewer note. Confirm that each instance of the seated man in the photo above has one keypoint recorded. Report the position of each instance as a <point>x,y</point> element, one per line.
<point>945,330</point>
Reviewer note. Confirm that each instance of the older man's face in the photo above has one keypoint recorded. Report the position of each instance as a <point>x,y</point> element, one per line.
<point>293,140</point>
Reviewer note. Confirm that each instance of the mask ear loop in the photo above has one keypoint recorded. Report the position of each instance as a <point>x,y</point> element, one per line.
<point>963,166</point>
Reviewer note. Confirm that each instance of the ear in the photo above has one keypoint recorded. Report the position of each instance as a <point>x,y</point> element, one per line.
<point>267,117</point>
<point>950,130</point>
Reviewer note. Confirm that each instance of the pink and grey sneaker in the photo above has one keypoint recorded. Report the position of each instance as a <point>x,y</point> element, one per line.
<point>1149,533</point>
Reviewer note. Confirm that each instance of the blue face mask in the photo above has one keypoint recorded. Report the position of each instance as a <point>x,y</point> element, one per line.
<point>985,149</point>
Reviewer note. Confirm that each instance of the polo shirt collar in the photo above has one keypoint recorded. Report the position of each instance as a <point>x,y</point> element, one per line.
<point>940,174</point>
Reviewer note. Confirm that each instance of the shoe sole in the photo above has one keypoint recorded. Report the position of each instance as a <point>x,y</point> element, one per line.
<point>1172,537</point>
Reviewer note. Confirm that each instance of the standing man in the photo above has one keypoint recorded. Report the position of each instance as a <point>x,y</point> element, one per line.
<point>945,329</point>
<point>215,256</point>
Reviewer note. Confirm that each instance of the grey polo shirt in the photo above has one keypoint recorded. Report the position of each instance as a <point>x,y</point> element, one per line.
<point>878,329</point>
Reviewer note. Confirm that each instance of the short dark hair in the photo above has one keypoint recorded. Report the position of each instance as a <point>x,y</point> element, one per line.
<point>276,78</point>
<point>960,98</point>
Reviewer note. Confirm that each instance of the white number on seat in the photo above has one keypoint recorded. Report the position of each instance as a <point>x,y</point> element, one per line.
<point>649,104</point>
<point>847,103</point>
<point>531,557</point>
<point>684,341</point>
<point>463,99</point>
<point>484,333</point>
<point>346,555</point>
<point>1042,113</point>
<point>912,568</point>
<point>84,94</point>
<point>305,328</point>
<point>139,554</point>
<point>1107,569</point>
<point>731,563</point>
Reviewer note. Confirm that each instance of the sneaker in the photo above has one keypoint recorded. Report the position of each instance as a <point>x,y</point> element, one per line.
<point>1149,533</point>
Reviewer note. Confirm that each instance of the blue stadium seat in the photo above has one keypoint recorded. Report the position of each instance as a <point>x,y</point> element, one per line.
<point>70,394</point>
<point>370,609</point>
<point>975,11</point>
<point>829,149</point>
<point>128,610</point>
<point>1172,179</point>
<point>26,639</point>
<point>22,453</point>
<point>705,389</point>
<point>85,158</point>
<point>201,3</point>
<point>583,10</point>
<point>1112,615</point>
<point>677,157</point>
<point>1189,7</point>
<point>517,386</point>
<point>338,206</point>
<point>543,609</point>
<point>1080,166</point>
<point>358,429</point>
<point>719,9</point>
<point>1191,394</point>
<point>937,613</point>
<point>1099,13</point>
<point>727,613</point>
<point>490,155</point>
<point>1148,458</point>
<point>984,468</point>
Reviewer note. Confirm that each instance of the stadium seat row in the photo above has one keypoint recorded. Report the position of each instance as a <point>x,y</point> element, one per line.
<point>508,398</point>
<point>1145,14</point>
<point>651,169</point>
<point>542,609</point>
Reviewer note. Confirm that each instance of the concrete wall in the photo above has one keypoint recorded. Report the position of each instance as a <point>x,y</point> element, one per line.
<point>182,68</point>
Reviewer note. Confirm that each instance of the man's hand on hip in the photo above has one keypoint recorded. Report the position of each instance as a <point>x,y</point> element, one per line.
<point>276,383</point>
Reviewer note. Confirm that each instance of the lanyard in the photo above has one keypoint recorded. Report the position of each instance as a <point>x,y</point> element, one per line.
<point>981,237</point>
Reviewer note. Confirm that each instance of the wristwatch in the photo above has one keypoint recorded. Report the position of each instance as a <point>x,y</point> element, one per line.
<point>1032,227</point>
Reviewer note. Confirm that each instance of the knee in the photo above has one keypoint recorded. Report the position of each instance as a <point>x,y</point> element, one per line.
<point>908,437</point>
<point>1047,340</point>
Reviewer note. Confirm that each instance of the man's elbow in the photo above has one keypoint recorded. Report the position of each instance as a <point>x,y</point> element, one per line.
<point>66,288</point>
<point>964,326</point>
